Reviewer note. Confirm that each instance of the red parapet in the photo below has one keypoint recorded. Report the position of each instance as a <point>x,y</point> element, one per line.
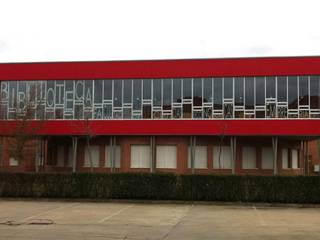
<point>243,127</point>
<point>233,67</point>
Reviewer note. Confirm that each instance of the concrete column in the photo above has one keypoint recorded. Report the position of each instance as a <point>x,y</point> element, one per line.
<point>275,155</point>
<point>152,154</point>
<point>74,156</point>
<point>192,152</point>
<point>233,146</point>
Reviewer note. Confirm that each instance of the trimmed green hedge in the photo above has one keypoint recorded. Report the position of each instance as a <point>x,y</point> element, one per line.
<point>293,189</point>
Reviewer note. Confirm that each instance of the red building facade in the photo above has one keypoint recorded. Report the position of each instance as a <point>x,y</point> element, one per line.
<point>240,116</point>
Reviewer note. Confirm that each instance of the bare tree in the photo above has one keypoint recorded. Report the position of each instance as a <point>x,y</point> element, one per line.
<point>20,131</point>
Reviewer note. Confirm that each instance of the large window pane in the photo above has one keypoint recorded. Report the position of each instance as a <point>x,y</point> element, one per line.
<point>228,88</point>
<point>314,92</point>
<point>197,92</point>
<point>260,91</point>
<point>146,89</point>
<point>137,89</point>
<point>207,90</point>
<point>177,83</point>
<point>249,93</point>
<point>157,92</point>
<point>127,91</point>
<point>117,99</point>
<point>187,88</point>
<point>167,94</point>
<point>293,92</point>
<point>282,89</point>
<point>97,91</point>
<point>239,91</point>
<point>304,90</point>
<point>107,89</point>
<point>270,87</point>
<point>217,93</point>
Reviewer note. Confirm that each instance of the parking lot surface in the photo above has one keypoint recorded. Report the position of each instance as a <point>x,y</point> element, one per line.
<point>25,219</point>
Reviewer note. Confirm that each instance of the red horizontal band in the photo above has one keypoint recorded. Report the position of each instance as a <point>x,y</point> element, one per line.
<point>269,66</point>
<point>170,127</point>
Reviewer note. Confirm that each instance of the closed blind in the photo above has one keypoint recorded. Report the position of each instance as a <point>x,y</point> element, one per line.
<point>267,158</point>
<point>140,156</point>
<point>225,157</point>
<point>200,155</point>
<point>249,158</point>
<point>166,157</point>
<point>95,155</point>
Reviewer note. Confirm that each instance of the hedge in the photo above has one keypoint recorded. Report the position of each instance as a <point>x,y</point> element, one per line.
<point>282,189</point>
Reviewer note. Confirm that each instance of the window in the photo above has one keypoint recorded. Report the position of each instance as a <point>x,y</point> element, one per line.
<point>117,98</point>
<point>304,90</point>
<point>13,161</point>
<point>249,158</point>
<point>293,92</point>
<point>200,157</point>
<point>290,158</point>
<point>282,89</point>
<point>167,94</point>
<point>197,92</point>
<point>294,159</point>
<point>95,156</point>
<point>60,156</point>
<point>140,156</point>
<point>270,87</point>
<point>222,157</point>
<point>285,158</point>
<point>249,93</point>
<point>70,156</point>
<point>267,158</point>
<point>217,93</point>
<point>239,91</point>
<point>207,90</point>
<point>228,88</point>
<point>166,156</point>
<point>117,157</point>
<point>260,91</point>
<point>157,92</point>
<point>137,91</point>
<point>127,91</point>
<point>314,92</point>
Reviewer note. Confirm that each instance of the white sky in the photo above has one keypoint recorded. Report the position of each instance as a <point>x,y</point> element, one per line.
<point>76,30</point>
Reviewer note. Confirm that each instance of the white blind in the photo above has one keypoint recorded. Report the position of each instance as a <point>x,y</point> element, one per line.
<point>249,158</point>
<point>294,158</point>
<point>13,161</point>
<point>200,155</point>
<point>267,158</point>
<point>140,156</point>
<point>225,157</point>
<point>117,156</point>
<point>60,156</point>
<point>95,156</point>
<point>166,156</point>
<point>285,159</point>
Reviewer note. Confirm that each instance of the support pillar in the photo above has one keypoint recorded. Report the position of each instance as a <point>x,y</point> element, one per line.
<point>275,155</point>
<point>152,154</point>
<point>193,140</point>
<point>74,155</point>
<point>233,146</point>
<point>112,153</point>
<point>307,157</point>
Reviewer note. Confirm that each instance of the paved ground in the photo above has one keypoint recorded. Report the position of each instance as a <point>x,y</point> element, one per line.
<point>88,220</point>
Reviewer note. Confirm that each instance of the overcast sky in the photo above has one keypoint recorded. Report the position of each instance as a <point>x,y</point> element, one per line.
<point>76,30</point>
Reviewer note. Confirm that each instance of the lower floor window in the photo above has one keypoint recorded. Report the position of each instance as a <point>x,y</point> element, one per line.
<point>116,156</point>
<point>13,161</point>
<point>95,156</point>
<point>222,157</point>
<point>249,158</point>
<point>200,157</point>
<point>290,158</point>
<point>60,156</point>
<point>267,158</point>
<point>140,156</point>
<point>166,156</point>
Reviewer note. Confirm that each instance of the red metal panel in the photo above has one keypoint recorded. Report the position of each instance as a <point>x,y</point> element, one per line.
<point>174,127</point>
<point>162,68</point>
